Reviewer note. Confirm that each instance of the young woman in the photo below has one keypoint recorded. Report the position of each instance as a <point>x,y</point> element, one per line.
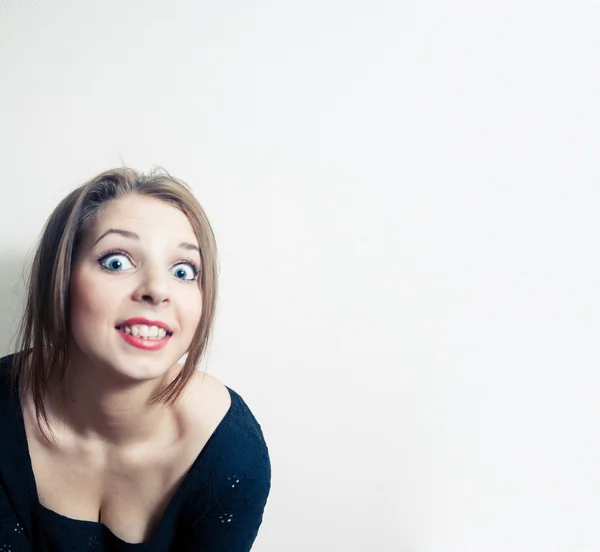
<point>109,442</point>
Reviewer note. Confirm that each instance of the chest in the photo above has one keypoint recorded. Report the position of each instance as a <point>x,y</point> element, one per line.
<point>127,492</point>
<point>128,497</point>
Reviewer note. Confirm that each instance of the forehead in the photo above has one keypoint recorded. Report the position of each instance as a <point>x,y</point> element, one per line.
<point>143,215</point>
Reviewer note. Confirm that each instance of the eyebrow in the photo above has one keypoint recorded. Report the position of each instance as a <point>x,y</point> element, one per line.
<point>134,236</point>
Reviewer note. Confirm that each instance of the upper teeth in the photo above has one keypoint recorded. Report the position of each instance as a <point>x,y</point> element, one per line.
<point>141,330</point>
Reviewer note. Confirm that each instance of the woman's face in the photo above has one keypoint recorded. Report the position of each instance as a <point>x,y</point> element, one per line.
<point>135,296</point>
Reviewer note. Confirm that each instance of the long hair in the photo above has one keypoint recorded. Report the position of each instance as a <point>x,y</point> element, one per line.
<point>43,334</point>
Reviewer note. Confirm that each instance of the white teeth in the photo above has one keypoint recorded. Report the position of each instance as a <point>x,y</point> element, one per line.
<point>146,332</point>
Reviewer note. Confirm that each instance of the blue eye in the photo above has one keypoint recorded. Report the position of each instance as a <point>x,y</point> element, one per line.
<point>115,262</point>
<point>184,271</point>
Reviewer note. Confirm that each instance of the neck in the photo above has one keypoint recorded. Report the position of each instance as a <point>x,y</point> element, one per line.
<point>112,411</point>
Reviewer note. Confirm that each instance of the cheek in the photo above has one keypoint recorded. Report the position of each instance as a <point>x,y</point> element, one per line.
<point>88,302</point>
<point>191,316</point>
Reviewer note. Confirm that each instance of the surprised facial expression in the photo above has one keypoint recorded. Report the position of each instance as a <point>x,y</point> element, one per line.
<point>135,294</point>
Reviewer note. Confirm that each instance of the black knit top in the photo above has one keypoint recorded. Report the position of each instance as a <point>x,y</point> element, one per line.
<point>218,507</point>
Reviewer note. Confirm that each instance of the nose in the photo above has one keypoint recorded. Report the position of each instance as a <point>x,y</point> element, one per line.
<point>153,287</point>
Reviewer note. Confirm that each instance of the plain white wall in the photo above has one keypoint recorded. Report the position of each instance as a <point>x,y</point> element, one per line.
<point>406,198</point>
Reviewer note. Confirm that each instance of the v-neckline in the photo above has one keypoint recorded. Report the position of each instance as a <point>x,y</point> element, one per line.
<point>98,526</point>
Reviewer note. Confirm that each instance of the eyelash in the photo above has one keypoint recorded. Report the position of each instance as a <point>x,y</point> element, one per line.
<point>193,264</point>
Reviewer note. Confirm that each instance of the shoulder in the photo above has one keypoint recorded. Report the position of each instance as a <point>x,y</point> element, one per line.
<point>211,406</point>
<point>6,387</point>
<point>204,404</point>
<point>5,365</point>
<point>228,486</point>
<point>236,448</point>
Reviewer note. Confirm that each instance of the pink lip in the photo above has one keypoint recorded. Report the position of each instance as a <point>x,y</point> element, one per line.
<point>137,321</point>
<point>146,344</point>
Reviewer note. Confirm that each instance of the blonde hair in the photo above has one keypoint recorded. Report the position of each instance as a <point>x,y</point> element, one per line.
<point>43,334</point>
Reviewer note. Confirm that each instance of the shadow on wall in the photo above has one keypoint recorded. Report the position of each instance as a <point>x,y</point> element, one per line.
<point>13,274</point>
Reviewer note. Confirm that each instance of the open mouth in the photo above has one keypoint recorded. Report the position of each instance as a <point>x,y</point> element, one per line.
<point>142,331</point>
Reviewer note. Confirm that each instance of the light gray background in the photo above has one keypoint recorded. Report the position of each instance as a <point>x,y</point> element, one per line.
<point>405,196</point>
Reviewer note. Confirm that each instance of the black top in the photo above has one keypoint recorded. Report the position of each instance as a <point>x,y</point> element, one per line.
<point>218,506</point>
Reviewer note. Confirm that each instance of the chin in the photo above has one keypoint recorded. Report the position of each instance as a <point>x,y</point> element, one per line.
<point>142,369</point>
<point>127,365</point>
